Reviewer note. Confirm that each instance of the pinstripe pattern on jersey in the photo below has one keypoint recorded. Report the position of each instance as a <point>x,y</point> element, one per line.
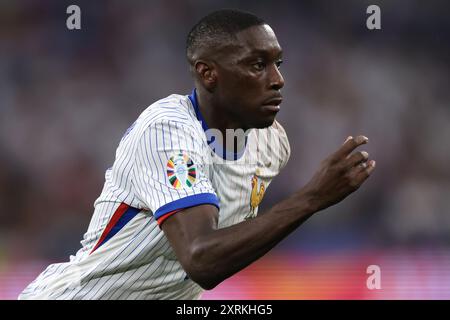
<point>152,183</point>
<point>138,262</point>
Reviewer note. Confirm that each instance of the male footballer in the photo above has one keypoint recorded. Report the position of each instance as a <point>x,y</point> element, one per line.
<point>178,213</point>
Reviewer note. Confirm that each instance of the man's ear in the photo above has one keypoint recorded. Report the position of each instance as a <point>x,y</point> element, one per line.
<point>206,73</point>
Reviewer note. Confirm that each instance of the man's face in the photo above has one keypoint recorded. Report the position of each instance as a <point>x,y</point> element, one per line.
<point>249,79</point>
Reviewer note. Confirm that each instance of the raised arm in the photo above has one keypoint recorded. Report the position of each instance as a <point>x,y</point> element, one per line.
<point>210,255</point>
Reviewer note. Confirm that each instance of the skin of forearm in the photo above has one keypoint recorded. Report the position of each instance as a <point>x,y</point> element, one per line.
<point>223,252</point>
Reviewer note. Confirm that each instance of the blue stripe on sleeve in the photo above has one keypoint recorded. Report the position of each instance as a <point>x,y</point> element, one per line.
<point>187,202</point>
<point>127,216</point>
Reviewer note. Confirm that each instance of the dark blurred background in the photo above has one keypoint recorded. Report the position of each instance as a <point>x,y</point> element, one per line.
<point>66,98</point>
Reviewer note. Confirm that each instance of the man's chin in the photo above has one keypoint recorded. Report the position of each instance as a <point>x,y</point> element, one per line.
<point>265,123</point>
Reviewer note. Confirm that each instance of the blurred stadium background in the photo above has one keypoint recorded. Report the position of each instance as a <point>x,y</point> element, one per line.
<point>66,97</point>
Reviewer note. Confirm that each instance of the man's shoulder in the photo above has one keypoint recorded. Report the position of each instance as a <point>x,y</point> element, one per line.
<point>274,144</point>
<point>175,108</point>
<point>173,112</point>
<point>275,130</point>
<point>172,115</point>
<point>283,137</point>
<point>279,128</point>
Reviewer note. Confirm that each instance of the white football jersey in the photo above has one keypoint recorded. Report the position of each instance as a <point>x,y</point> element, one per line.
<point>166,161</point>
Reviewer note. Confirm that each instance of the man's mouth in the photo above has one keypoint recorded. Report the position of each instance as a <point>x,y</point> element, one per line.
<point>271,108</point>
<point>273,104</point>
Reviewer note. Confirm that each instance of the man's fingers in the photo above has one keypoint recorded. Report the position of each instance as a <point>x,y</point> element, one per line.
<point>348,138</point>
<point>356,158</point>
<point>364,170</point>
<point>349,145</point>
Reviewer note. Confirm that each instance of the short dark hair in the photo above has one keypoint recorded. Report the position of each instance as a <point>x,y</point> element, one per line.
<point>218,28</point>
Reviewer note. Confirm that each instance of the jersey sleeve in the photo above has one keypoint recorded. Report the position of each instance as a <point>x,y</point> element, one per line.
<point>170,170</point>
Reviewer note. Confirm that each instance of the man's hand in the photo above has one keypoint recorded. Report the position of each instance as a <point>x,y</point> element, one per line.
<point>339,175</point>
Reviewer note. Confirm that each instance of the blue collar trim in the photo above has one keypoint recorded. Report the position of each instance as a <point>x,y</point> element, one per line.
<point>193,98</point>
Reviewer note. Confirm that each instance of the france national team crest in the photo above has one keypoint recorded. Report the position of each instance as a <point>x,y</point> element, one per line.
<point>181,171</point>
<point>258,190</point>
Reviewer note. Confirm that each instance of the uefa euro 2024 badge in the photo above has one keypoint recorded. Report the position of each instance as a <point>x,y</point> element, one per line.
<point>181,171</point>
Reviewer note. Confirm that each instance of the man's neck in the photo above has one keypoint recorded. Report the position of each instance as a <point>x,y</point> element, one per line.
<point>216,117</point>
<point>214,114</point>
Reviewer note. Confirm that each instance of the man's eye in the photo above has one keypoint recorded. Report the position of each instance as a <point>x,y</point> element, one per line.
<point>259,66</point>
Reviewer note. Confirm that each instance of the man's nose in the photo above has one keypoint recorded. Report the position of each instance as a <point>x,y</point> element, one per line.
<point>276,79</point>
